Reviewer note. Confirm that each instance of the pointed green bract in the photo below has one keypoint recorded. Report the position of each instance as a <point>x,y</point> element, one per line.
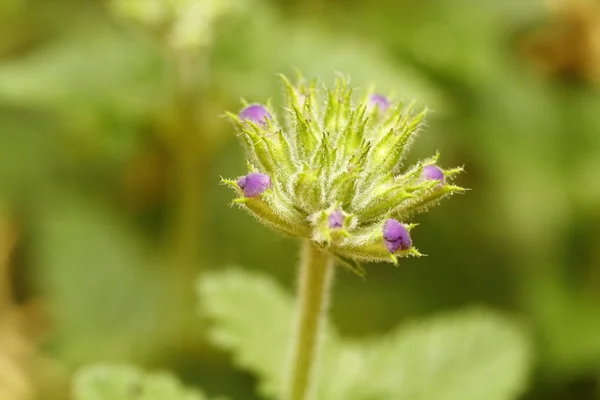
<point>329,149</point>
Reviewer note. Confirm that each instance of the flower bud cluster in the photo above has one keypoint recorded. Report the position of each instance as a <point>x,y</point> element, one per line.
<point>329,169</point>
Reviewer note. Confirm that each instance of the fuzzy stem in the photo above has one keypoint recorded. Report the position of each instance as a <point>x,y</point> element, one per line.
<point>315,276</point>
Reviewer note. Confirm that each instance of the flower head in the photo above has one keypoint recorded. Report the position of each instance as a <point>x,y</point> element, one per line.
<point>334,171</point>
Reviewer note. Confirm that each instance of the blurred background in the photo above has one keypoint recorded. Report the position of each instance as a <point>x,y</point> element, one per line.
<point>112,144</point>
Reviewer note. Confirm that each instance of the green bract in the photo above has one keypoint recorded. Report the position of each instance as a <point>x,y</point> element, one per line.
<point>327,153</point>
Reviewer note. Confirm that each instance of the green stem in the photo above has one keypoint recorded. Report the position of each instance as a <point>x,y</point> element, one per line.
<point>316,275</point>
<point>7,242</point>
<point>187,147</point>
<point>187,211</point>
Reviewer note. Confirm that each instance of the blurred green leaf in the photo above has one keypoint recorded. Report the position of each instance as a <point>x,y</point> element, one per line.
<point>129,383</point>
<point>569,327</point>
<point>248,56</point>
<point>28,153</point>
<point>109,301</point>
<point>473,354</point>
<point>436,37</point>
<point>97,67</point>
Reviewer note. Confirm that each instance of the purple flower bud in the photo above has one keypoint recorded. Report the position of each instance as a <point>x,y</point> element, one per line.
<point>432,173</point>
<point>256,113</point>
<point>336,219</point>
<point>254,184</point>
<point>378,100</point>
<point>395,236</point>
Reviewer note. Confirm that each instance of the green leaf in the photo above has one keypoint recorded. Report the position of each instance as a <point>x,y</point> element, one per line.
<point>28,155</point>
<point>129,383</point>
<point>253,318</point>
<point>472,354</point>
<point>91,265</point>
<point>240,65</point>
<point>95,68</point>
<point>566,318</point>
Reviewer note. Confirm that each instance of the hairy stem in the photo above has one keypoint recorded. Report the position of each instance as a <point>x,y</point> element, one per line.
<point>316,275</point>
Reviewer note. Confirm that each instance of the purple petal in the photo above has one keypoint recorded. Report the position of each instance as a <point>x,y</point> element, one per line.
<point>432,172</point>
<point>378,100</point>
<point>256,113</point>
<point>396,236</point>
<point>336,219</point>
<point>254,184</point>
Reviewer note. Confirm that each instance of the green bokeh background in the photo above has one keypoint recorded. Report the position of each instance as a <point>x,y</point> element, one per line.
<point>110,166</point>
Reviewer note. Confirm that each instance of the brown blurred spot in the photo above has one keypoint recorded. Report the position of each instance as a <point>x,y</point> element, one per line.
<point>144,180</point>
<point>25,374</point>
<point>567,45</point>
